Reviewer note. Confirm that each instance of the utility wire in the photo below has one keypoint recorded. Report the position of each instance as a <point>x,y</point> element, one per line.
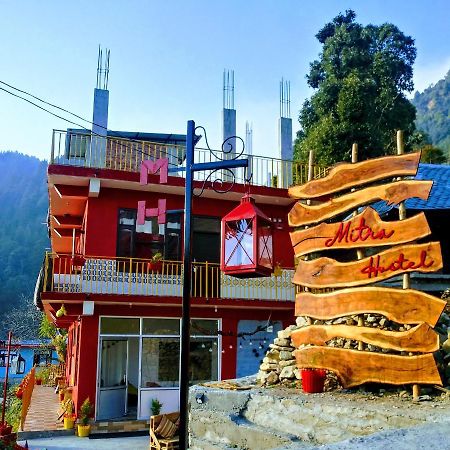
<point>165,152</point>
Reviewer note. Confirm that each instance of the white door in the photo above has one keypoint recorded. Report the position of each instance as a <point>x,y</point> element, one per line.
<point>112,384</point>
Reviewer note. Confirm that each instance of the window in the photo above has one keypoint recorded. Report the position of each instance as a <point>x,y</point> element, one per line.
<point>119,325</point>
<point>144,241</point>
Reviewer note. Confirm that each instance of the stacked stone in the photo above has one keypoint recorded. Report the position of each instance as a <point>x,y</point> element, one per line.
<point>279,363</point>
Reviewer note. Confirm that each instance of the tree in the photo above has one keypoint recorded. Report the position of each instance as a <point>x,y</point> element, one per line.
<point>359,79</point>
<point>432,155</point>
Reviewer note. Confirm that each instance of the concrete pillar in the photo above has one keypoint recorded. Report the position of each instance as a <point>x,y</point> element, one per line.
<point>229,130</point>
<point>285,151</point>
<point>99,129</point>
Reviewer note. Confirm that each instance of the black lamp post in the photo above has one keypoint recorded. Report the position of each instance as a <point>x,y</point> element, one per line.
<point>190,168</point>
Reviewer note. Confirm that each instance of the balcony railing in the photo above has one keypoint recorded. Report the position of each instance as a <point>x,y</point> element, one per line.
<point>86,150</point>
<point>132,276</point>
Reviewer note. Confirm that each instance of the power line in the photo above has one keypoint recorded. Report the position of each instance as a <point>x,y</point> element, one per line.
<point>165,152</point>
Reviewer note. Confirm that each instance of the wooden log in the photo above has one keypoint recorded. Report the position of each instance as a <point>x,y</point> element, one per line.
<point>402,306</point>
<point>354,367</point>
<point>327,272</point>
<point>364,230</point>
<point>345,176</point>
<point>392,193</point>
<point>420,338</point>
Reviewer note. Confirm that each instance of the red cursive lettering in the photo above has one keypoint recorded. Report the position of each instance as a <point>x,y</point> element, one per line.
<point>374,267</point>
<point>361,232</point>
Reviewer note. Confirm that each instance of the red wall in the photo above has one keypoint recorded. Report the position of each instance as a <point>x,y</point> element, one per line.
<point>102,218</point>
<point>88,340</point>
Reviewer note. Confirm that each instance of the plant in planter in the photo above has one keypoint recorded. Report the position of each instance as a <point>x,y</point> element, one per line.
<point>84,414</point>
<point>155,264</point>
<point>19,392</point>
<point>38,381</point>
<point>69,416</point>
<point>5,429</point>
<point>156,406</point>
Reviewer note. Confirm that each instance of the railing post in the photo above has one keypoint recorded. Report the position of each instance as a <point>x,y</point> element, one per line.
<point>129,277</point>
<point>52,152</point>
<point>207,280</point>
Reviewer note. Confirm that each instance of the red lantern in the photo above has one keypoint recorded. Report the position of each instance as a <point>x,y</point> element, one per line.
<point>247,246</point>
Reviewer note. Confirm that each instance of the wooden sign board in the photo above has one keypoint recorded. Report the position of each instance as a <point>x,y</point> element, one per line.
<point>364,230</point>
<point>327,272</point>
<point>400,305</point>
<point>356,367</point>
<point>346,176</point>
<point>392,193</point>
<point>420,338</point>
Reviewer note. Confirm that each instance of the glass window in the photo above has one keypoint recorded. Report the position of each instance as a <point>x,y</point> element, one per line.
<point>265,246</point>
<point>113,363</point>
<point>160,362</point>
<point>206,224</point>
<point>119,325</point>
<point>161,326</point>
<point>203,360</point>
<point>239,243</point>
<point>204,327</point>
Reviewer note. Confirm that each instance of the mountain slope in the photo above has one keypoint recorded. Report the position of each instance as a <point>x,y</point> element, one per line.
<point>23,212</point>
<point>433,113</point>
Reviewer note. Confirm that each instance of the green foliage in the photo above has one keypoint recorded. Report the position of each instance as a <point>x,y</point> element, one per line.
<point>44,374</point>
<point>359,80</point>
<point>23,197</point>
<point>433,113</point>
<point>432,155</point>
<point>47,329</point>
<point>13,408</point>
<point>58,337</point>
<point>85,412</point>
<point>156,406</point>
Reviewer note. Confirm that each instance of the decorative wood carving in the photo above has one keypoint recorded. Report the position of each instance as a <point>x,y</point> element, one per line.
<point>420,338</point>
<point>364,230</point>
<point>356,367</point>
<point>327,272</point>
<point>392,193</point>
<point>346,176</point>
<point>402,306</point>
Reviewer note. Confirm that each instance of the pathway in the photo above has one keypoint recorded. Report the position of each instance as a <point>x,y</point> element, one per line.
<point>43,412</point>
<point>76,443</point>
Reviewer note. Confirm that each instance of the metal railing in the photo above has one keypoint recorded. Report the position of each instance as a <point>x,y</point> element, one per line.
<point>86,150</point>
<point>133,276</point>
<point>27,388</point>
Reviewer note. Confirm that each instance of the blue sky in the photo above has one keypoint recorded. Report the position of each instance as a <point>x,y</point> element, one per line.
<point>168,56</point>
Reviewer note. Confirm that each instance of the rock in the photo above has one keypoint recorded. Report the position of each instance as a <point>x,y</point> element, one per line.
<point>340,321</point>
<point>383,322</point>
<point>301,322</point>
<point>285,334</point>
<point>266,367</point>
<point>289,362</point>
<point>446,346</point>
<point>279,348</point>
<point>282,342</point>
<point>297,373</point>
<point>285,355</point>
<point>272,378</point>
<point>287,372</point>
<point>371,319</point>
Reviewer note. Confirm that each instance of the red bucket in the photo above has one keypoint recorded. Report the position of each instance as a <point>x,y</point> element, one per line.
<point>313,380</point>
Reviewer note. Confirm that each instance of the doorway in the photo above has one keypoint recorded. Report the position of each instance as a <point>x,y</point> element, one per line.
<point>118,381</point>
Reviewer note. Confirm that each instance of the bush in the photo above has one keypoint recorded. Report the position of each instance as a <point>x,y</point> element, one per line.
<point>13,408</point>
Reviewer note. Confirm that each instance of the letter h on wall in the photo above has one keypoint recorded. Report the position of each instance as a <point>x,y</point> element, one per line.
<point>147,167</point>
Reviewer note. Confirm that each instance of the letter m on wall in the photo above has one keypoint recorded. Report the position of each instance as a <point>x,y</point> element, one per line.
<point>152,167</point>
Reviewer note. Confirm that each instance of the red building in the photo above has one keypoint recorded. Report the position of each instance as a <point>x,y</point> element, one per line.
<point>123,311</point>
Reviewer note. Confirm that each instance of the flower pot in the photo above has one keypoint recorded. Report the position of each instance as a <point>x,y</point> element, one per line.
<point>155,266</point>
<point>61,396</point>
<point>19,394</point>
<point>313,380</point>
<point>69,423</point>
<point>38,381</point>
<point>83,430</point>
<point>5,429</point>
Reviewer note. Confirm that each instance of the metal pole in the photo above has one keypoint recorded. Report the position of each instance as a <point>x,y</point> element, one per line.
<point>5,386</point>
<point>185,319</point>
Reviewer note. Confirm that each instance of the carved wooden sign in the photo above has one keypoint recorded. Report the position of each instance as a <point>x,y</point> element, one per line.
<point>321,345</point>
<point>346,176</point>
<point>391,193</point>
<point>326,272</point>
<point>400,305</point>
<point>364,230</point>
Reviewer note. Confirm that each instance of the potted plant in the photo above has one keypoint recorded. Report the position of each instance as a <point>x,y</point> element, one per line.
<point>155,264</point>
<point>38,381</point>
<point>5,429</point>
<point>84,414</point>
<point>156,406</point>
<point>69,416</point>
<point>19,392</point>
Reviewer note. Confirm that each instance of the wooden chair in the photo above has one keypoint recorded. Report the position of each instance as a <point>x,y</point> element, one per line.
<point>159,443</point>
